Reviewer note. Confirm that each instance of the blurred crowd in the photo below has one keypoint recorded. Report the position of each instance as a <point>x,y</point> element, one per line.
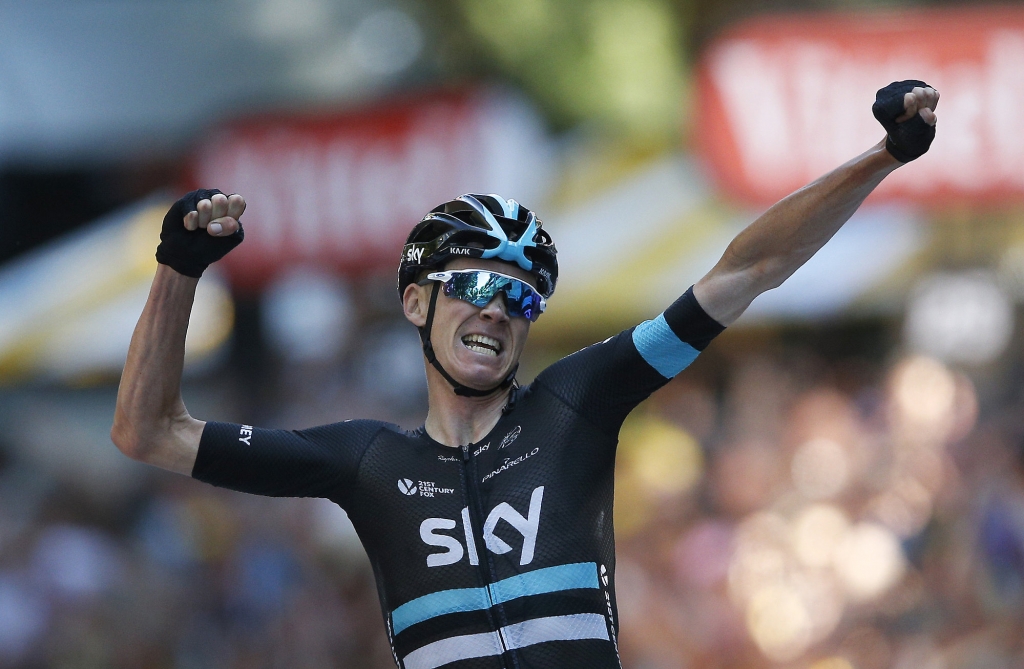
<point>851,515</point>
<point>774,507</point>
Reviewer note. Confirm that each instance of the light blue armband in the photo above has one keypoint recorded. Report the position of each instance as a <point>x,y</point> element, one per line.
<point>661,348</point>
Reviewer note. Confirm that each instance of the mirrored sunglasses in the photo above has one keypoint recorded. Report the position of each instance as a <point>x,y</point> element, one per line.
<point>478,287</point>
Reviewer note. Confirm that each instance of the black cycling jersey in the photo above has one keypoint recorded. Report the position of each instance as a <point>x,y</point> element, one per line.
<point>501,553</point>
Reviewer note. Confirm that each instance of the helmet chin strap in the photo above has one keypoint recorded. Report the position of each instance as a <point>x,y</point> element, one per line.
<point>428,351</point>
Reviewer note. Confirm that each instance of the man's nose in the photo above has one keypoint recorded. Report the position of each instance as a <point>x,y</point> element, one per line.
<point>496,309</point>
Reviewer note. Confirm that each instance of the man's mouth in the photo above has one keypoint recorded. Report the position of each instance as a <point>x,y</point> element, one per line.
<point>482,344</point>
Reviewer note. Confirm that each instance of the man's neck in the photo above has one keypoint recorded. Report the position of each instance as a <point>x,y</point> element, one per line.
<point>454,420</point>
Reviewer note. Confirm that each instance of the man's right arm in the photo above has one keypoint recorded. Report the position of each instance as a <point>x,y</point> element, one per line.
<point>151,423</point>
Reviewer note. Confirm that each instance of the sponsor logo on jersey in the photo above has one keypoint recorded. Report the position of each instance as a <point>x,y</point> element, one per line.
<point>430,489</point>
<point>509,463</point>
<point>455,550</point>
<point>605,580</point>
<point>447,458</point>
<point>423,488</point>
<point>481,449</point>
<point>510,437</point>
<point>245,434</point>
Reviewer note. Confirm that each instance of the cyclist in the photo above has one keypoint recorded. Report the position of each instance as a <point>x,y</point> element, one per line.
<point>489,528</point>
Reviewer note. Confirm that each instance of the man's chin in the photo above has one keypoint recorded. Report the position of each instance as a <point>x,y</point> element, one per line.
<point>483,384</point>
<point>480,379</point>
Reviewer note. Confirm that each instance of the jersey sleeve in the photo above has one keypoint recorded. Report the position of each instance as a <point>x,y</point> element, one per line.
<point>317,462</point>
<point>606,381</point>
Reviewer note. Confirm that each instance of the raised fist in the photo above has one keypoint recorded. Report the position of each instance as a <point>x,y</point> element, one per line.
<point>200,229</point>
<point>906,109</point>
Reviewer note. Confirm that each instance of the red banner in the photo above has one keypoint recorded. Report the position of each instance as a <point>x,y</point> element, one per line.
<point>344,190</point>
<point>782,100</point>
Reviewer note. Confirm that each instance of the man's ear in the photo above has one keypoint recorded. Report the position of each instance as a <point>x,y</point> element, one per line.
<point>415,302</point>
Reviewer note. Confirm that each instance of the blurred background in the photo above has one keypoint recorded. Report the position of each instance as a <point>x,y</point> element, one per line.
<point>836,483</point>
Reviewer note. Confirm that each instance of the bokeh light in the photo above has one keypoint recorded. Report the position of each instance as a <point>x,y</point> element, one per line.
<point>307,315</point>
<point>820,469</point>
<point>779,621</point>
<point>664,458</point>
<point>868,561</point>
<point>963,317</point>
<point>923,391</point>
<point>818,531</point>
<point>833,663</point>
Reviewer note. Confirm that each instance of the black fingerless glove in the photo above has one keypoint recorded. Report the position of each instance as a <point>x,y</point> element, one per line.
<point>190,252</point>
<point>911,138</point>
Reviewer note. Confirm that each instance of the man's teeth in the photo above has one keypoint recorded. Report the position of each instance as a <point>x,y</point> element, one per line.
<point>482,344</point>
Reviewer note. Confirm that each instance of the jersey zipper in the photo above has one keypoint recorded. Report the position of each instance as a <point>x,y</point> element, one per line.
<point>476,518</point>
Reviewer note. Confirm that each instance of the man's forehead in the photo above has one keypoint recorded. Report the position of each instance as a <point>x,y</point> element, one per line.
<point>493,266</point>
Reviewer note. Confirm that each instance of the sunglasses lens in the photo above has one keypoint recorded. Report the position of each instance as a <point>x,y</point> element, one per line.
<point>479,288</point>
<point>522,300</point>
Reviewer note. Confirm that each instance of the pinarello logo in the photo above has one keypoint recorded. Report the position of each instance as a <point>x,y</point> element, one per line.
<point>407,487</point>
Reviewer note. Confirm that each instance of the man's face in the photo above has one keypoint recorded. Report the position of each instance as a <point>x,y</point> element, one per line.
<point>477,346</point>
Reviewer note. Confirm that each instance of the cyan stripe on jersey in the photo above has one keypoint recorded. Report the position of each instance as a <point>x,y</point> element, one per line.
<point>439,604</point>
<point>575,627</point>
<point>541,581</point>
<point>661,348</point>
<point>538,582</point>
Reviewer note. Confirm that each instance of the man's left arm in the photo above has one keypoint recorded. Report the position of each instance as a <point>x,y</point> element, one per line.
<point>774,246</point>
